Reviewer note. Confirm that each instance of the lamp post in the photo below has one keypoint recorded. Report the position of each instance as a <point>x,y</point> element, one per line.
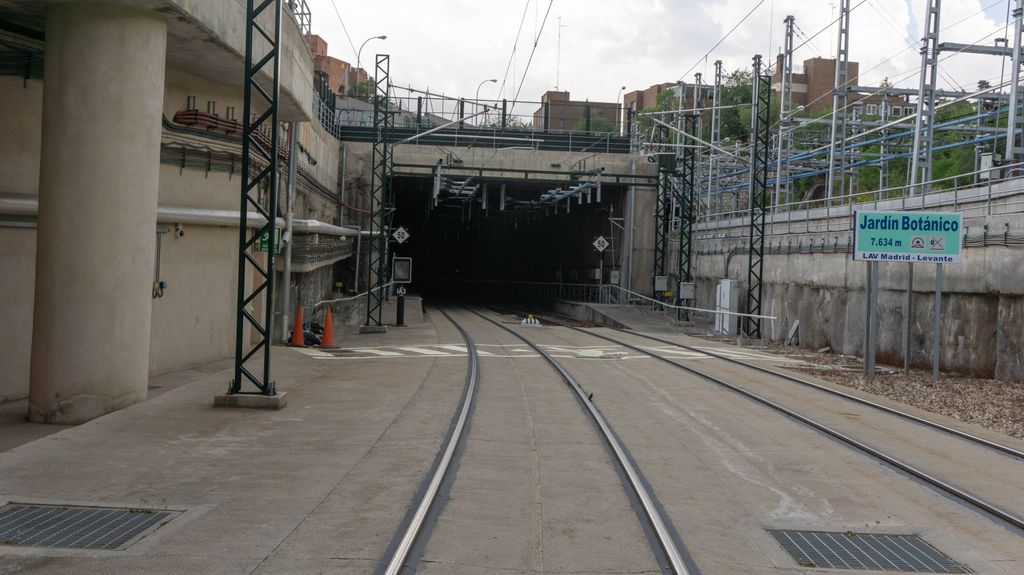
<point>477,98</point>
<point>360,51</point>
<point>617,96</point>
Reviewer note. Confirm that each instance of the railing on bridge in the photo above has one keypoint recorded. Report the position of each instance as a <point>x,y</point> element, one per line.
<point>561,126</point>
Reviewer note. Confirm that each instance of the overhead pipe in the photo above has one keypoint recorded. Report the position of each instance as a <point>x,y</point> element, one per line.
<point>29,206</point>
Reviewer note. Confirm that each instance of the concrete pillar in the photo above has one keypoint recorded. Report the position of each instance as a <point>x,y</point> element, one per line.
<point>99,173</point>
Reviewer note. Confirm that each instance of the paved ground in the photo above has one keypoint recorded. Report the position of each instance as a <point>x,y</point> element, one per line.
<point>322,486</point>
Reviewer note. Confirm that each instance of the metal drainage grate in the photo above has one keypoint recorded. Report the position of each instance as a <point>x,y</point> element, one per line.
<point>77,527</point>
<point>880,552</point>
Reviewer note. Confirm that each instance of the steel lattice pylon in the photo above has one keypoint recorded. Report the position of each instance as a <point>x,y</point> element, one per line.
<point>760,135</point>
<point>662,215</point>
<point>259,178</point>
<point>381,207</point>
<point>686,196</point>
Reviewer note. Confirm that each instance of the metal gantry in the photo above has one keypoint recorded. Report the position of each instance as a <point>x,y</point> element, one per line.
<point>381,205</point>
<point>837,148</point>
<point>716,130</point>
<point>785,116</point>
<point>1014,115</point>
<point>921,155</point>
<point>259,192</point>
<point>760,136</point>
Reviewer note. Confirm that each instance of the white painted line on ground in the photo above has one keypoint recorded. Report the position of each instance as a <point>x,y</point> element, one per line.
<point>422,350</point>
<point>678,352</point>
<point>312,352</point>
<point>376,352</point>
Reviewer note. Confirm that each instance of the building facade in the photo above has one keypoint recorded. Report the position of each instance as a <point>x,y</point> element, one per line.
<point>814,85</point>
<point>559,113</point>
<point>339,75</point>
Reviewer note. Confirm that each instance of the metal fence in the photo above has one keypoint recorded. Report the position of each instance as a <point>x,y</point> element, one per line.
<point>1001,193</point>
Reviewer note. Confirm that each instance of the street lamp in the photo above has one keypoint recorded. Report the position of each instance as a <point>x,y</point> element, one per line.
<point>477,98</point>
<point>360,51</point>
<point>494,80</point>
<point>620,110</point>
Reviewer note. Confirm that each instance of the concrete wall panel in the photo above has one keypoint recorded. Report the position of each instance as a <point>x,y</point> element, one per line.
<point>1010,339</point>
<point>194,321</point>
<point>17,268</point>
<point>21,124</point>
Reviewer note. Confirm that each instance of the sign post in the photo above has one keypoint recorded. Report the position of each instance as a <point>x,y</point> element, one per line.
<point>911,237</point>
<point>401,273</point>
<point>600,244</point>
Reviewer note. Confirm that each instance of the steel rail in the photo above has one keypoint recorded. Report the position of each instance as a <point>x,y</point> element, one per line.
<point>658,524</point>
<point>415,526</point>
<point>867,402</point>
<point>960,494</point>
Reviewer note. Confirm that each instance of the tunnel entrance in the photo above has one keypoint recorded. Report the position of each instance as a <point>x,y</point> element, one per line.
<point>478,234</point>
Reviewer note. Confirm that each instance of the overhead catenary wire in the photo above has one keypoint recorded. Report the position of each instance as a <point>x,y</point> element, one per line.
<point>344,29</point>
<point>515,46</point>
<point>722,39</point>
<point>536,40</point>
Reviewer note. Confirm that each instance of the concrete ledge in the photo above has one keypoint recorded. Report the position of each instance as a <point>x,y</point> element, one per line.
<point>251,400</point>
<point>373,329</point>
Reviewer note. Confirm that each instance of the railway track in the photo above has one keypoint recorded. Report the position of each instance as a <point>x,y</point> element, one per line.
<point>963,496</point>
<point>662,538</point>
<point>442,469</point>
<point>1005,449</point>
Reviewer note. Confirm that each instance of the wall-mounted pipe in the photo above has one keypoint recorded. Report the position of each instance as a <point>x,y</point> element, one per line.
<point>29,206</point>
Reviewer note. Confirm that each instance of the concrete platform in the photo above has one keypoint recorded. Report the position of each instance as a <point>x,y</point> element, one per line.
<point>322,486</point>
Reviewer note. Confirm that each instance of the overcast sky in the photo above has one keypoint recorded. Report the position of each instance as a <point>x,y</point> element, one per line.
<point>450,46</point>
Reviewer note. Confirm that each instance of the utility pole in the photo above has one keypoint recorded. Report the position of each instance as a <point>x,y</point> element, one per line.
<point>979,110</point>
<point>883,163</point>
<point>785,121</point>
<point>1012,116</point>
<point>716,129</point>
<point>921,157</point>
<point>698,84</point>
<point>837,156</point>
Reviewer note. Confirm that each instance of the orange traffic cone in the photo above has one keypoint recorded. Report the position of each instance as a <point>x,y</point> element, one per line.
<point>298,338</point>
<point>327,339</point>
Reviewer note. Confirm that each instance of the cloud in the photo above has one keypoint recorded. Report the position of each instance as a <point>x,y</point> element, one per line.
<point>452,45</point>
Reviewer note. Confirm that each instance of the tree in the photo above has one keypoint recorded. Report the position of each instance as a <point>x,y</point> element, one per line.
<point>597,124</point>
<point>737,89</point>
<point>361,90</point>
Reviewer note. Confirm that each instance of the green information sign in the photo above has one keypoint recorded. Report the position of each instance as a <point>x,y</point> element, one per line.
<point>277,241</point>
<point>915,237</point>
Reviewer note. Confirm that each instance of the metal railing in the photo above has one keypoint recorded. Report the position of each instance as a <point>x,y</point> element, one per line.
<point>590,293</point>
<point>302,14</point>
<point>613,294</point>
<point>1003,194</point>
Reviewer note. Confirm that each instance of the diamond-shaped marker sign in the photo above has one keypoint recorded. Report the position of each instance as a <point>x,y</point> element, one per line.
<point>401,236</point>
<point>601,244</point>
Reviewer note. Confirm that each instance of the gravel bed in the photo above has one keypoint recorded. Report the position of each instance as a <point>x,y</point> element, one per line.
<point>990,403</point>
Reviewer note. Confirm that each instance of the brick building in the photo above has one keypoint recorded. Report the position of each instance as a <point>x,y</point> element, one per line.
<point>814,84</point>
<point>339,74</point>
<point>640,100</point>
<point>565,114</point>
